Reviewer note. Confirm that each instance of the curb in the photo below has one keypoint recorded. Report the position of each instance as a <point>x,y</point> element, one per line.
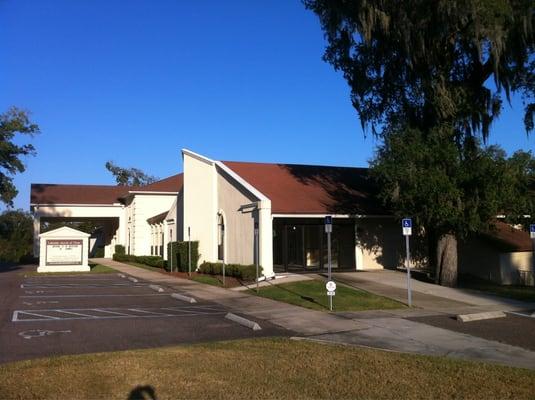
<point>121,275</point>
<point>243,321</point>
<point>187,299</point>
<point>156,288</point>
<point>480,316</point>
<point>133,279</point>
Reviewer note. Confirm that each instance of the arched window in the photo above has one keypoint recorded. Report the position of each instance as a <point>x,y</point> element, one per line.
<point>220,237</point>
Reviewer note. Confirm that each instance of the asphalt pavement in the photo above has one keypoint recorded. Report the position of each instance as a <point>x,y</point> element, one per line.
<point>44,316</point>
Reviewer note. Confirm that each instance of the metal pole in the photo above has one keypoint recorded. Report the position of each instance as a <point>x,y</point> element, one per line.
<point>329,266</point>
<point>189,251</point>
<point>257,253</point>
<point>223,245</point>
<point>408,265</point>
<point>171,255</point>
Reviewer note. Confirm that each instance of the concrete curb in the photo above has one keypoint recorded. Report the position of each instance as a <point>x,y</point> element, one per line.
<point>156,288</point>
<point>480,316</point>
<point>133,279</point>
<point>187,299</point>
<point>243,321</point>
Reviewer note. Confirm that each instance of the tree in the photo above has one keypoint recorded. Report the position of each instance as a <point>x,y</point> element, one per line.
<point>14,121</point>
<point>16,235</point>
<point>129,176</point>
<point>446,190</point>
<point>436,72</point>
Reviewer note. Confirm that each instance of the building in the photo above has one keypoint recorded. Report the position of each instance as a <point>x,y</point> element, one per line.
<point>221,203</point>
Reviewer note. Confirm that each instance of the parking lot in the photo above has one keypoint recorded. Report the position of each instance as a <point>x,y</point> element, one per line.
<point>68,314</point>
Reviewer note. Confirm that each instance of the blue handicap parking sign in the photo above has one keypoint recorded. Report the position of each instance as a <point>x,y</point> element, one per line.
<point>328,220</point>
<point>406,223</point>
<point>532,228</point>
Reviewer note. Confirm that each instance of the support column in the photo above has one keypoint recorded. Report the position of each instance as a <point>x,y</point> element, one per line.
<point>36,232</point>
<point>359,259</point>
<point>265,225</point>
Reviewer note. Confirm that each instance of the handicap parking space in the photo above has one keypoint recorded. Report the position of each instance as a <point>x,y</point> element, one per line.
<point>70,314</point>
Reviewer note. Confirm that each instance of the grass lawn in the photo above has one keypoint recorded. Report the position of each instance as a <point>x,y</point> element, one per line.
<point>95,269</point>
<point>523,293</point>
<point>312,294</point>
<point>261,369</point>
<point>144,266</point>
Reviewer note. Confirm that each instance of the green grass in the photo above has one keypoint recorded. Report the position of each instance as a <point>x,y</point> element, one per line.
<point>262,369</point>
<point>523,293</point>
<point>312,294</point>
<point>207,279</point>
<point>95,269</point>
<point>144,266</point>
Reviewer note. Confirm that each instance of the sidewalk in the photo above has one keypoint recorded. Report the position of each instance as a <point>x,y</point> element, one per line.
<point>430,297</point>
<point>379,329</point>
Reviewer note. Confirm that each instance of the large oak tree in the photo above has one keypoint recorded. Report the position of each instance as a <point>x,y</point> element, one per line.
<point>436,72</point>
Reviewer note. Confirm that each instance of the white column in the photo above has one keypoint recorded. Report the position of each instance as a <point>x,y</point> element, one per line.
<point>36,232</point>
<point>265,225</point>
<point>359,259</point>
<point>165,239</point>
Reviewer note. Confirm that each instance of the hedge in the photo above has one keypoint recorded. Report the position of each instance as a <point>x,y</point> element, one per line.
<point>244,272</point>
<point>119,249</point>
<point>177,255</point>
<point>151,261</point>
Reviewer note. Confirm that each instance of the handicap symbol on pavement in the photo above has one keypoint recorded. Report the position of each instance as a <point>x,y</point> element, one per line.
<point>39,333</point>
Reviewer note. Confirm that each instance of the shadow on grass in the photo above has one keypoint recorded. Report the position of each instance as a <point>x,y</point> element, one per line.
<point>306,298</point>
<point>146,392</point>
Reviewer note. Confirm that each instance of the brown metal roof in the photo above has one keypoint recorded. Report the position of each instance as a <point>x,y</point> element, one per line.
<point>44,193</point>
<point>172,184</point>
<point>157,218</point>
<point>310,189</point>
<point>508,238</point>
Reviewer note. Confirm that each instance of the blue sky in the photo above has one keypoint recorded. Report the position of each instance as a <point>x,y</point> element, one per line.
<point>135,81</point>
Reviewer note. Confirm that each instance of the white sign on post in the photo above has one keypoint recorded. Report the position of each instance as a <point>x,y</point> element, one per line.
<point>331,288</point>
<point>406,224</point>
<point>532,231</point>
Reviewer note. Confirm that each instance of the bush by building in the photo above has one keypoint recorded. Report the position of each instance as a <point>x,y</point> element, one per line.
<point>178,255</point>
<point>151,261</point>
<point>119,249</point>
<point>243,272</point>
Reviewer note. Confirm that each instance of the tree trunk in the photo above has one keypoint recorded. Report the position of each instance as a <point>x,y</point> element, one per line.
<point>446,256</point>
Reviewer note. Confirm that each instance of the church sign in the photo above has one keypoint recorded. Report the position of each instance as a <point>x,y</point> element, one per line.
<point>64,252</point>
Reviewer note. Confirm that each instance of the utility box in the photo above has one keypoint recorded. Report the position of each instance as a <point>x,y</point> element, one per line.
<point>64,250</point>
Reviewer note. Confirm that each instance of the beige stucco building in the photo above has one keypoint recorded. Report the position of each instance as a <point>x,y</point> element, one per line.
<point>221,204</point>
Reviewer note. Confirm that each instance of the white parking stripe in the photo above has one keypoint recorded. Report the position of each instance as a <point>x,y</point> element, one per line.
<point>74,313</point>
<point>96,295</point>
<point>110,312</point>
<point>16,315</point>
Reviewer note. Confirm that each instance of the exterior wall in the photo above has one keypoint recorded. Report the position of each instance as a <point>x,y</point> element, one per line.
<point>380,244</point>
<point>140,209</point>
<point>517,268</point>
<point>239,223</point>
<point>477,258</point>
<point>200,204</point>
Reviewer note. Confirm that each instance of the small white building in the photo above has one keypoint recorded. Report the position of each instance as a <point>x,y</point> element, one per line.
<point>63,250</point>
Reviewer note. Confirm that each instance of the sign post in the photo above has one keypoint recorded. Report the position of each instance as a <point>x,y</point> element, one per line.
<point>406,224</point>
<point>170,256</point>
<point>257,258</point>
<point>330,286</point>
<point>189,251</point>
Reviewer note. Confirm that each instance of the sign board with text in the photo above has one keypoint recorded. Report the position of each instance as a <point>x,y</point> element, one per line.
<point>532,231</point>
<point>64,252</point>
<point>406,224</point>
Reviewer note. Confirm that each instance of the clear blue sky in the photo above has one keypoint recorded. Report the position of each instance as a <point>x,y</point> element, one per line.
<point>135,81</point>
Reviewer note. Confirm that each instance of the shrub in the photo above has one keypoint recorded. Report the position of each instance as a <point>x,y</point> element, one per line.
<point>243,272</point>
<point>99,252</point>
<point>119,249</point>
<point>151,261</point>
<point>178,255</point>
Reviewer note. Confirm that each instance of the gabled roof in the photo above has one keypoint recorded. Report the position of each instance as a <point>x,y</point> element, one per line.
<point>158,218</point>
<point>172,184</point>
<point>508,238</point>
<point>44,193</point>
<point>311,189</point>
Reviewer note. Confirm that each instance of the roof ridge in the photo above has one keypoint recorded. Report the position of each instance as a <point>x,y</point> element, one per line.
<point>294,165</point>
